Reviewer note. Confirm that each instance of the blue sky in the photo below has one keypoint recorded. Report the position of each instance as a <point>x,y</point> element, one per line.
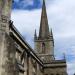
<point>61,17</point>
<point>26,4</point>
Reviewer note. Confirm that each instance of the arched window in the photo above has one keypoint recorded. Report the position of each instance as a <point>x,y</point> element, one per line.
<point>43,47</point>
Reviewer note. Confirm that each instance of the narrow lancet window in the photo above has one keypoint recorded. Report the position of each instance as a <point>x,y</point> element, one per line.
<point>43,47</point>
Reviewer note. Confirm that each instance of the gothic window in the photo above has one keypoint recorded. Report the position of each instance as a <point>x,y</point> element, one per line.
<point>43,47</point>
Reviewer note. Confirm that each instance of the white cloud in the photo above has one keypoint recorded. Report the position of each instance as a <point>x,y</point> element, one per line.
<point>61,17</point>
<point>26,21</point>
<point>71,68</point>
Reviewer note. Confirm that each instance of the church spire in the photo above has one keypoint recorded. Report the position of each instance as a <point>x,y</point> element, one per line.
<point>44,28</point>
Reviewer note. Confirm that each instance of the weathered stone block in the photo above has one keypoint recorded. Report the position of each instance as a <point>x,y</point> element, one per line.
<point>7,55</point>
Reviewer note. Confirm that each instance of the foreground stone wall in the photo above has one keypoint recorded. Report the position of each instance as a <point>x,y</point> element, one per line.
<point>7,56</point>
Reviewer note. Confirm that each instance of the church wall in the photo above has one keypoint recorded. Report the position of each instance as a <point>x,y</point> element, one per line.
<point>6,7</point>
<point>30,67</point>
<point>20,73</point>
<point>1,51</point>
<point>7,56</point>
<point>9,44</point>
<point>39,70</point>
<point>38,47</point>
<point>34,67</point>
<point>49,48</point>
<point>5,15</point>
<point>0,8</point>
<point>25,64</point>
<point>55,71</point>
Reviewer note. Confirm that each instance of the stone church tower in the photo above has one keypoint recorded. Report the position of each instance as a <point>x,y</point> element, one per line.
<point>44,43</point>
<point>44,46</point>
